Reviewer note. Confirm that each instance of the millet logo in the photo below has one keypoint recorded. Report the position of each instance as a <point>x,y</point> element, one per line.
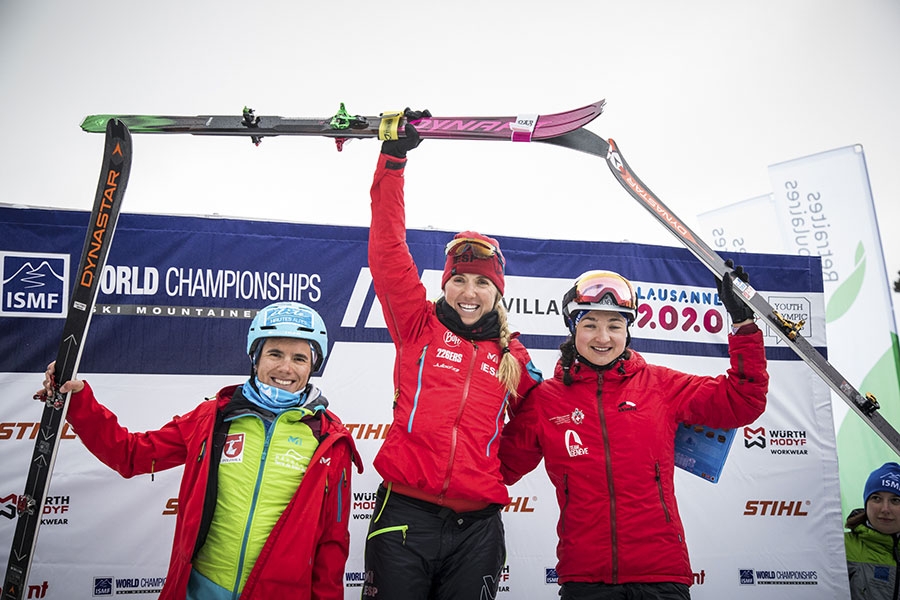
<point>34,285</point>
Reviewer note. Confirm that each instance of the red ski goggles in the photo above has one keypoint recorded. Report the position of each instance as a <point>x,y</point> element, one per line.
<point>593,287</point>
<point>480,248</point>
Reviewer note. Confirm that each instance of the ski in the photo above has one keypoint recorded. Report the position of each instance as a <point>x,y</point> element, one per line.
<point>864,406</point>
<point>104,216</point>
<point>343,126</point>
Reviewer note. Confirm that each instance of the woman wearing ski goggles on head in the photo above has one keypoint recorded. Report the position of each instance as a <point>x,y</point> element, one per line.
<point>436,530</point>
<point>605,427</point>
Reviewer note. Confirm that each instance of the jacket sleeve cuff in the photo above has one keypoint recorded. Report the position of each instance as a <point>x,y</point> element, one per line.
<point>391,163</point>
<point>747,329</point>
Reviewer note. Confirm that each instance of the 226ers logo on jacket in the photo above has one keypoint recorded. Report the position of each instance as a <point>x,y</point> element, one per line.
<point>234,448</point>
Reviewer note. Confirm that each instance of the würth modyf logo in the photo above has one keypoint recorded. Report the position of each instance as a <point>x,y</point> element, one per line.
<point>34,285</point>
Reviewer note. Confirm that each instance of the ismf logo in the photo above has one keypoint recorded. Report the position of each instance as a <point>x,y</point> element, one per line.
<point>34,285</point>
<point>103,586</point>
<point>234,448</point>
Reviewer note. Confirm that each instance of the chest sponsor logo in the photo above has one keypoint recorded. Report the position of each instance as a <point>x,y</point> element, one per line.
<point>293,460</point>
<point>573,444</point>
<point>576,417</point>
<point>451,339</point>
<point>627,406</point>
<point>449,355</point>
<point>234,448</point>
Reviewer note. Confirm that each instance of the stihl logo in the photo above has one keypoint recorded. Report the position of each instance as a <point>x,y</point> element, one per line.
<point>775,508</point>
<point>520,504</point>
<point>29,431</point>
<point>368,431</point>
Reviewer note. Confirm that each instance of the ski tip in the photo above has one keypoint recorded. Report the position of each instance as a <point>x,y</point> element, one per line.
<point>96,123</point>
<point>118,129</point>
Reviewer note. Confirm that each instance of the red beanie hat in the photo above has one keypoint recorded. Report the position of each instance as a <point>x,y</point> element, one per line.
<point>471,252</point>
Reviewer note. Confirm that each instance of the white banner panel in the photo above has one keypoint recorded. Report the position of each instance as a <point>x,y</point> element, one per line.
<point>821,205</point>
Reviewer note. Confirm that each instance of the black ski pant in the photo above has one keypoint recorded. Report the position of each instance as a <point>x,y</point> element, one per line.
<point>577,590</point>
<point>416,550</point>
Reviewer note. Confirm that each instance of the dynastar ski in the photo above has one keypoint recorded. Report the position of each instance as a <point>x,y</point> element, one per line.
<point>104,216</point>
<point>865,406</point>
<point>343,126</point>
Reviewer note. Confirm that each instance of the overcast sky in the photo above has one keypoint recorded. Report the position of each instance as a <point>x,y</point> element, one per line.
<point>702,96</point>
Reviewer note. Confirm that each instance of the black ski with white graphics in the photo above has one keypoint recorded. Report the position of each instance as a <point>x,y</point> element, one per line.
<point>104,216</point>
<point>864,406</point>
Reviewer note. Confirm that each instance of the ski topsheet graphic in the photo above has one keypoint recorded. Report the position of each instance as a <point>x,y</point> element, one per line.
<point>864,406</point>
<point>343,126</point>
<point>104,216</point>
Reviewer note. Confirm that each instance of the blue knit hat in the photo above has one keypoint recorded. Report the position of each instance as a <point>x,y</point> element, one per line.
<point>886,478</point>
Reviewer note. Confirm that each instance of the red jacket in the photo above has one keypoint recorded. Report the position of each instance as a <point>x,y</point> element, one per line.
<point>449,406</point>
<point>608,448</point>
<point>306,552</point>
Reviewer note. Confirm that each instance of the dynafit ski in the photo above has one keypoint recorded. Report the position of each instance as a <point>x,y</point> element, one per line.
<point>864,406</point>
<point>344,126</point>
<point>102,225</point>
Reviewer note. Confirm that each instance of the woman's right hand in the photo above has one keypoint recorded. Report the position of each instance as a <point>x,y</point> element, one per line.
<point>72,385</point>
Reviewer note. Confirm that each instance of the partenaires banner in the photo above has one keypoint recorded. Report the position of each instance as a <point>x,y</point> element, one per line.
<point>821,205</point>
<point>170,329</point>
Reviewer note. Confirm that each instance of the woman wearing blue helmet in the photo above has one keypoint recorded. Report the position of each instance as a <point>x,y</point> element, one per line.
<point>264,499</point>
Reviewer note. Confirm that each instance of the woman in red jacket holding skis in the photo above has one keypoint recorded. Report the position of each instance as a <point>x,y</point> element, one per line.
<point>605,426</point>
<point>436,530</point>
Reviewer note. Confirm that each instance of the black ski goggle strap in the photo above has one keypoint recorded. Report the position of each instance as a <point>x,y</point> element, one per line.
<point>480,248</point>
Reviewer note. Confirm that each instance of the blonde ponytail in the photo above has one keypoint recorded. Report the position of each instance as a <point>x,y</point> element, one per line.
<point>510,372</point>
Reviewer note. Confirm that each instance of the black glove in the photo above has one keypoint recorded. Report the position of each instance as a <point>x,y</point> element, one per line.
<point>400,147</point>
<point>737,309</point>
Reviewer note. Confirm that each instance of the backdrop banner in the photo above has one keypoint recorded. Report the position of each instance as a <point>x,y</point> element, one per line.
<point>170,328</point>
<point>821,205</point>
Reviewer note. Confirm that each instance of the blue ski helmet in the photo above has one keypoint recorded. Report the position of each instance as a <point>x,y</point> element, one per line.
<point>290,320</point>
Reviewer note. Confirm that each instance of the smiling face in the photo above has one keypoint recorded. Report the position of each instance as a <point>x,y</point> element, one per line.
<point>883,512</point>
<point>600,336</point>
<point>285,363</point>
<point>471,296</point>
